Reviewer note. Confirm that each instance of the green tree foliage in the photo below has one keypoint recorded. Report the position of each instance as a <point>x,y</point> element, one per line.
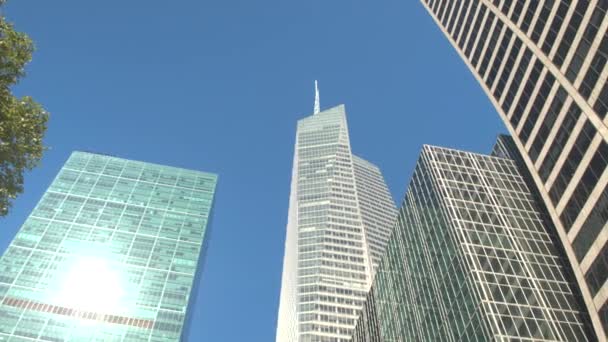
<point>22,120</point>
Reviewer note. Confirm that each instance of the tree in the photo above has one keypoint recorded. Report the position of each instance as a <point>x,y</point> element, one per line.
<point>22,120</point>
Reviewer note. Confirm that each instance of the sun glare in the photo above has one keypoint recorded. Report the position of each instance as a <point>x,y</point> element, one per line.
<point>92,285</point>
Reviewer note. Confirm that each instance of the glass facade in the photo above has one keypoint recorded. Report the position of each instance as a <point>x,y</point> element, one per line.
<point>472,258</point>
<point>340,217</point>
<point>543,65</point>
<point>378,210</point>
<point>110,253</point>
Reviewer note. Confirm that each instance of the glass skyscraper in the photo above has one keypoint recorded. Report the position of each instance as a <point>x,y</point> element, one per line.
<point>473,257</point>
<point>340,218</point>
<point>543,65</point>
<point>110,253</point>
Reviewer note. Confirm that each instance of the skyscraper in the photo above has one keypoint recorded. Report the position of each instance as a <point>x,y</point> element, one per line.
<point>543,65</point>
<point>473,257</point>
<point>340,217</point>
<point>110,253</point>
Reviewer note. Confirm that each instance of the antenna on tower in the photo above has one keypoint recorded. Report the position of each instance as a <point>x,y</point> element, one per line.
<point>317,101</point>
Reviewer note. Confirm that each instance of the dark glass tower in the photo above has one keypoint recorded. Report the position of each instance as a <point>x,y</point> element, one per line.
<point>473,257</point>
<point>110,253</point>
<point>543,65</point>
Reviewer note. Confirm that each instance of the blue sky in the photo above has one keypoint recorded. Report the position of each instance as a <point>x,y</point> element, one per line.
<point>218,85</point>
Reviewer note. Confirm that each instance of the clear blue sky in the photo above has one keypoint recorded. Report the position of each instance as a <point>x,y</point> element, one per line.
<point>218,85</point>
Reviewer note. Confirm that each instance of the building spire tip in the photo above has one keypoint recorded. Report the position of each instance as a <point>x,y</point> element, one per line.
<point>317,101</point>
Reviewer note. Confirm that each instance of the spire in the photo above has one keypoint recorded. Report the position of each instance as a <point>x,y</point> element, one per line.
<point>317,102</point>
